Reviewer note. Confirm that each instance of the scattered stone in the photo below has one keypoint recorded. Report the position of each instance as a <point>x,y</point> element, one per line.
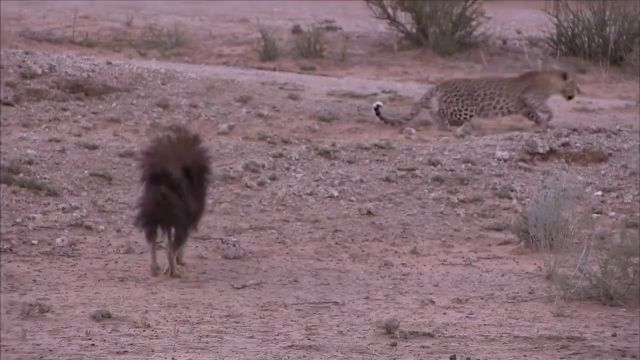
<point>332,193</point>
<point>62,241</point>
<point>435,162</point>
<point>327,116</point>
<point>296,29</point>
<point>365,211</point>
<point>225,129</point>
<point>253,166</point>
<point>264,136</point>
<point>326,152</point>
<point>384,144</point>
<point>250,283</point>
<point>389,326</point>
<point>307,67</point>
<point>502,155</point>
<point>163,103</point>
<point>534,146</point>
<point>101,314</point>
<point>412,334</point>
<point>232,250</point>
<point>497,226</point>
<point>34,309</point>
<point>408,132</point>
<point>262,181</point>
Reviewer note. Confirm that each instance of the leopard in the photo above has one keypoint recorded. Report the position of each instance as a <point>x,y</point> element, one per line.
<point>454,103</point>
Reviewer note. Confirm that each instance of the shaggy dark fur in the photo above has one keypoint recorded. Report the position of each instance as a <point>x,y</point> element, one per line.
<point>175,176</point>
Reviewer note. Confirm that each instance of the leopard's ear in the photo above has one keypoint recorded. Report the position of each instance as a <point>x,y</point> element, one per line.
<point>564,75</point>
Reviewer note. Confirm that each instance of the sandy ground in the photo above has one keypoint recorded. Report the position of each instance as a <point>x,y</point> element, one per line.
<point>322,221</point>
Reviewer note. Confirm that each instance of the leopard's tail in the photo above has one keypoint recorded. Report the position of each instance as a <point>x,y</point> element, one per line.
<point>377,109</point>
<point>415,110</point>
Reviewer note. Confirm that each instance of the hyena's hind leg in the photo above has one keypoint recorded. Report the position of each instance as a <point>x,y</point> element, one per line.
<point>152,235</point>
<point>175,250</point>
<point>180,256</point>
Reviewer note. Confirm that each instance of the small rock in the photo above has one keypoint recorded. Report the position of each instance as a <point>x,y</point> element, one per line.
<point>535,146</point>
<point>502,155</point>
<point>332,193</point>
<point>296,29</point>
<point>496,226</point>
<point>250,283</point>
<point>408,131</point>
<point>225,129</point>
<point>34,242</point>
<point>327,152</point>
<point>383,144</point>
<point>62,241</point>
<point>262,181</point>
<point>326,116</point>
<point>232,250</point>
<point>253,166</point>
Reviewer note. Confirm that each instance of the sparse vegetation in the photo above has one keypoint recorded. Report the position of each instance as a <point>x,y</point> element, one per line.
<point>102,175</point>
<point>602,30</point>
<point>551,223</point>
<point>267,47</point>
<point>243,99</point>
<point>390,326</point>
<point>129,21</point>
<point>127,154</point>
<point>616,274</point>
<point>326,116</point>
<point>31,309</point>
<point>159,38</point>
<point>445,26</point>
<point>578,264</point>
<point>88,145</point>
<point>101,314</point>
<point>310,43</point>
<point>346,94</point>
<point>548,221</point>
<point>13,176</point>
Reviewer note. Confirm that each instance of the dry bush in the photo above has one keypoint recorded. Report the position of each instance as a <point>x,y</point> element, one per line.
<point>160,38</point>
<point>578,265</point>
<point>445,26</point>
<point>267,47</point>
<point>601,30</point>
<point>550,221</point>
<point>310,43</point>
<point>28,183</point>
<point>616,275</point>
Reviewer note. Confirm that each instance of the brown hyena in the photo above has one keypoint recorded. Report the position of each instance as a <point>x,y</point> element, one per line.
<point>175,177</point>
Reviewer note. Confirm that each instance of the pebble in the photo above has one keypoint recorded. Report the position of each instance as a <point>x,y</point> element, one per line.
<point>225,129</point>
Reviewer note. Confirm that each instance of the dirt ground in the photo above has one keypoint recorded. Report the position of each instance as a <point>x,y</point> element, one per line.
<point>322,221</point>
